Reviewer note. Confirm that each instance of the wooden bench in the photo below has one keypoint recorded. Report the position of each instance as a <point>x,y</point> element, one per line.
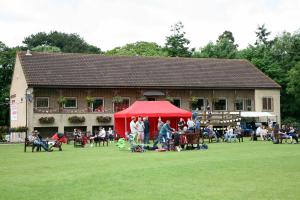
<point>32,145</point>
<point>190,139</point>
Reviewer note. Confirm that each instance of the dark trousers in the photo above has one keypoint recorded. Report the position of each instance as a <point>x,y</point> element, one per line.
<point>146,138</point>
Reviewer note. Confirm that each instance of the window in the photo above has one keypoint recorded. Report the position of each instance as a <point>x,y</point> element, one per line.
<point>239,104</point>
<point>267,103</point>
<point>71,102</point>
<point>248,104</point>
<point>121,105</point>
<point>42,102</point>
<point>201,104</point>
<point>98,105</point>
<point>220,104</point>
<point>176,102</point>
<point>151,99</point>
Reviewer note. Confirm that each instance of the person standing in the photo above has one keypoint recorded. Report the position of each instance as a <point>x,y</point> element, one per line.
<point>181,124</point>
<point>133,130</point>
<point>163,135</point>
<point>147,130</point>
<point>140,129</point>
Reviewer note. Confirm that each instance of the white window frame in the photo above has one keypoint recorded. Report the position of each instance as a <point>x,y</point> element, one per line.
<point>122,98</point>
<point>103,104</point>
<point>272,104</point>
<point>221,98</point>
<point>245,104</point>
<point>36,100</point>
<point>71,107</point>
<point>179,100</point>
<point>243,101</point>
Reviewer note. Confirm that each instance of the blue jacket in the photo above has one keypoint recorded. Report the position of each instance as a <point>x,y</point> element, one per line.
<point>165,129</point>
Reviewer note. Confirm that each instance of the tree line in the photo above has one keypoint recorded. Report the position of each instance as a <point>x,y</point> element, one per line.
<point>279,58</point>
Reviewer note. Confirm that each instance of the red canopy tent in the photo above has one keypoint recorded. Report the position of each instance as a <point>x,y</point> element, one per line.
<point>152,109</point>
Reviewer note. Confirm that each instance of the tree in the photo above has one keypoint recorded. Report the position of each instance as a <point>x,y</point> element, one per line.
<point>262,35</point>
<point>176,44</point>
<point>293,86</point>
<point>138,49</point>
<point>223,48</point>
<point>226,35</point>
<point>7,60</point>
<point>279,59</point>
<point>46,48</point>
<point>69,43</point>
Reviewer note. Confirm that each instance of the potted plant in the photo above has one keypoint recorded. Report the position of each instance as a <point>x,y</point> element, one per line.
<point>76,119</point>
<point>46,120</point>
<point>90,100</point>
<point>103,119</point>
<point>61,101</point>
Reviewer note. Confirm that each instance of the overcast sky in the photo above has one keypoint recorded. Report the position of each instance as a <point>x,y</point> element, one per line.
<point>111,23</point>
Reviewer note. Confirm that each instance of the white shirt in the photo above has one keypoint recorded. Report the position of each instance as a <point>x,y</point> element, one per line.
<point>102,133</point>
<point>133,127</point>
<point>258,130</point>
<point>140,126</point>
<point>190,124</point>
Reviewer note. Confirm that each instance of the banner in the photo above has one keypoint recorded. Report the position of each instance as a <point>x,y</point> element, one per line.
<point>13,112</point>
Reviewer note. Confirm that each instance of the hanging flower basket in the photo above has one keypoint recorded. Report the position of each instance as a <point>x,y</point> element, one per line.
<point>103,119</point>
<point>46,120</point>
<point>76,119</point>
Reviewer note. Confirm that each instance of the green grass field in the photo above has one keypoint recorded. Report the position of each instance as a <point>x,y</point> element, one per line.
<point>249,170</point>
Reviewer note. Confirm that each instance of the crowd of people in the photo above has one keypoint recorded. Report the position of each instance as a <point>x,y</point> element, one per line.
<point>140,133</point>
<point>273,132</point>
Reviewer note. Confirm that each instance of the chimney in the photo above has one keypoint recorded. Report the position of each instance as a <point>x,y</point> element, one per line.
<point>28,53</point>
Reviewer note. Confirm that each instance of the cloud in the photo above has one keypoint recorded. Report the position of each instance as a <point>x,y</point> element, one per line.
<point>108,24</point>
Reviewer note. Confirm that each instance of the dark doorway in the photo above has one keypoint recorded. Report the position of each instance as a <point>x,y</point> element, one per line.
<point>46,131</point>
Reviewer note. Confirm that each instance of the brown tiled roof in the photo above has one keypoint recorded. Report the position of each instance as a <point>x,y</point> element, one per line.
<point>90,70</point>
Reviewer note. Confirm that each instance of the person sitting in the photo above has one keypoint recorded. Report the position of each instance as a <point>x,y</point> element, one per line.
<point>293,134</point>
<point>283,134</point>
<point>191,125</point>
<point>238,133</point>
<point>263,133</point>
<point>229,135</point>
<point>256,133</point>
<point>37,141</point>
<point>212,133</point>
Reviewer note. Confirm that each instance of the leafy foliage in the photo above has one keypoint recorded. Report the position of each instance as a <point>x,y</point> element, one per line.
<point>69,43</point>
<point>138,49</point>
<point>46,48</point>
<point>223,48</point>
<point>176,44</point>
